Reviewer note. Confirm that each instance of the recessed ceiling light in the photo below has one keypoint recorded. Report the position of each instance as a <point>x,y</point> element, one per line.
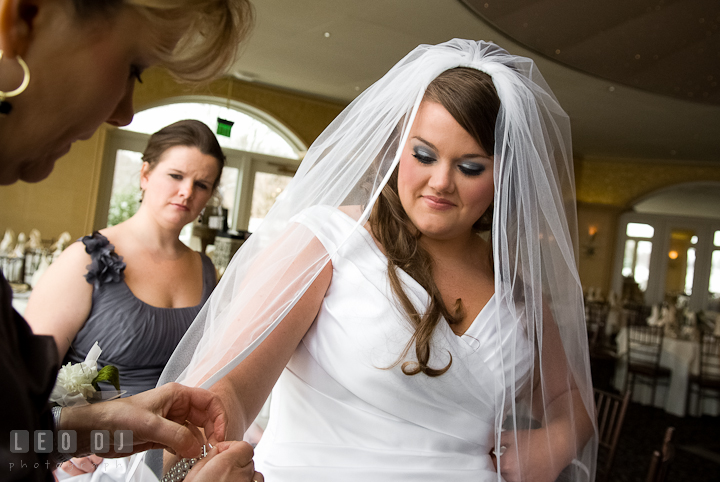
<point>611,88</point>
<point>326,34</point>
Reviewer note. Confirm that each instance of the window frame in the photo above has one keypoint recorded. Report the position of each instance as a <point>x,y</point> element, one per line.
<point>655,292</point>
<point>248,163</point>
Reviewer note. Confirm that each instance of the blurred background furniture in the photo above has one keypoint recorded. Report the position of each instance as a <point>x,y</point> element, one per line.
<point>634,314</point>
<point>602,349</point>
<point>707,379</point>
<point>662,459</point>
<point>643,352</point>
<point>611,410</point>
<point>596,313</point>
<point>682,357</point>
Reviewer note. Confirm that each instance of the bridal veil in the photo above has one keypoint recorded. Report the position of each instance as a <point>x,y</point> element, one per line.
<point>534,234</point>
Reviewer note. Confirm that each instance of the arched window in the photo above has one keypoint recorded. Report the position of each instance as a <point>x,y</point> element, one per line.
<point>262,155</point>
<point>252,130</point>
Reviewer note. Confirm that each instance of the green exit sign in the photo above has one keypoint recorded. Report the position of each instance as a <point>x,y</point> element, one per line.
<point>224,127</point>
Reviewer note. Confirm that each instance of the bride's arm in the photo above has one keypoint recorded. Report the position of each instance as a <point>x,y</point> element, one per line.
<point>541,454</point>
<point>245,388</point>
<point>560,406</point>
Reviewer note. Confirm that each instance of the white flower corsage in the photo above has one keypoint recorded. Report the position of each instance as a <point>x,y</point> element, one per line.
<point>77,384</point>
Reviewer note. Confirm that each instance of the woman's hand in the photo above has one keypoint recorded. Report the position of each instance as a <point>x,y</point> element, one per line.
<point>227,461</point>
<point>530,459</point>
<point>157,419</point>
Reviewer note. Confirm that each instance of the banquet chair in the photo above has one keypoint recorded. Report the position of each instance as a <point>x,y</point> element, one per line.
<point>661,459</point>
<point>708,378</point>
<point>610,410</point>
<point>643,350</point>
<point>596,314</point>
<point>603,354</point>
<point>635,314</point>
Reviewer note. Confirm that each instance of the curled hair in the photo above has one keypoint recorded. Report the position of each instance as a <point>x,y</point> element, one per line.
<point>196,40</point>
<point>470,97</point>
<point>189,133</point>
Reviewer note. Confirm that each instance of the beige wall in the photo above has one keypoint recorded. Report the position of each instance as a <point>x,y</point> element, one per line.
<point>622,182</point>
<point>596,257</point>
<point>66,200</point>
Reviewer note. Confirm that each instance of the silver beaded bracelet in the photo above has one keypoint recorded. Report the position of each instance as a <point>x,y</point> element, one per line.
<point>179,471</point>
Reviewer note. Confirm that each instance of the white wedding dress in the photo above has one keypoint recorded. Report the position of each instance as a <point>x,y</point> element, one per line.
<point>342,412</point>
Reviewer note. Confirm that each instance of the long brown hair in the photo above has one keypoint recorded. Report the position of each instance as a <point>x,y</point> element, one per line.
<point>470,97</point>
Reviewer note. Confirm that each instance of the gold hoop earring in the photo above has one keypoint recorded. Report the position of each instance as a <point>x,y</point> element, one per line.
<point>5,106</point>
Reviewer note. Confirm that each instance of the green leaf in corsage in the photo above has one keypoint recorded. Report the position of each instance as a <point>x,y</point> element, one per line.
<point>108,374</point>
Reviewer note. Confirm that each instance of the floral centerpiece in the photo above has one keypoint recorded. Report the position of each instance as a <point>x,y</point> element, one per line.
<point>77,384</point>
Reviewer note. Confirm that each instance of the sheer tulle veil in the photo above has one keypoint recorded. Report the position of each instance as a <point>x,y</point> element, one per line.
<point>534,236</point>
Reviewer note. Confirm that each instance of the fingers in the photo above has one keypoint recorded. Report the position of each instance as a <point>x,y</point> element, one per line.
<point>196,433</point>
<point>207,411</point>
<point>81,465</point>
<point>228,461</point>
<point>242,450</point>
<point>166,412</point>
<point>197,406</point>
<point>179,438</point>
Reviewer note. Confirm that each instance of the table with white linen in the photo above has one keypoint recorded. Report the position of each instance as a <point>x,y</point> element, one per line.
<point>20,301</point>
<point>682,357</point>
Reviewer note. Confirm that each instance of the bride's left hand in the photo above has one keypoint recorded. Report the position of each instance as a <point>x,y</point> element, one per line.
<point>530,460</point>
<point>226,462</point>
<point>81,465</point>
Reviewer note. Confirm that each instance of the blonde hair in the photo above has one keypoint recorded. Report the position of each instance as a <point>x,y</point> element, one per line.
<point>210,31</point>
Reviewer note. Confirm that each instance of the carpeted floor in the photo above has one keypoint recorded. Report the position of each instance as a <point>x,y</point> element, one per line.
<point>697,442</point>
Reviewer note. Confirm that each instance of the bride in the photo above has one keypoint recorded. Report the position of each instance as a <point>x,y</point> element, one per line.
<point>414,291</point>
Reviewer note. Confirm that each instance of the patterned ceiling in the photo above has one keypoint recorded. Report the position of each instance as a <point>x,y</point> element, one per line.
<point>669,47</point>
<point>620,106</point>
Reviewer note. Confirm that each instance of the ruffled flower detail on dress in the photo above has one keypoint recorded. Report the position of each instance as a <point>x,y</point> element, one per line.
<point>106,266</point>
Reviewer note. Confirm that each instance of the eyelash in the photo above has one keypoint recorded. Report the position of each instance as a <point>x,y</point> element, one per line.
<point>476,170</point>
<point>423,159</point>
<point>201,185</point>
<point>136,72</point>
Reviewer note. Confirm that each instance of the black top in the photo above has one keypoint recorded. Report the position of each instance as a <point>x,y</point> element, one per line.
<point>28,368</point>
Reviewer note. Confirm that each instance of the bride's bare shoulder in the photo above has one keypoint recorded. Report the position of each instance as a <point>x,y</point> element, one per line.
<point>354,211</point>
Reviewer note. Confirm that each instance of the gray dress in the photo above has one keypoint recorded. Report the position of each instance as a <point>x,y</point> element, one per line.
<point>135,337</point>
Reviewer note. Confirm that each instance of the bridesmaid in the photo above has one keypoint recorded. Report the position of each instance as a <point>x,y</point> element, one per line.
<point>135,287</point>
